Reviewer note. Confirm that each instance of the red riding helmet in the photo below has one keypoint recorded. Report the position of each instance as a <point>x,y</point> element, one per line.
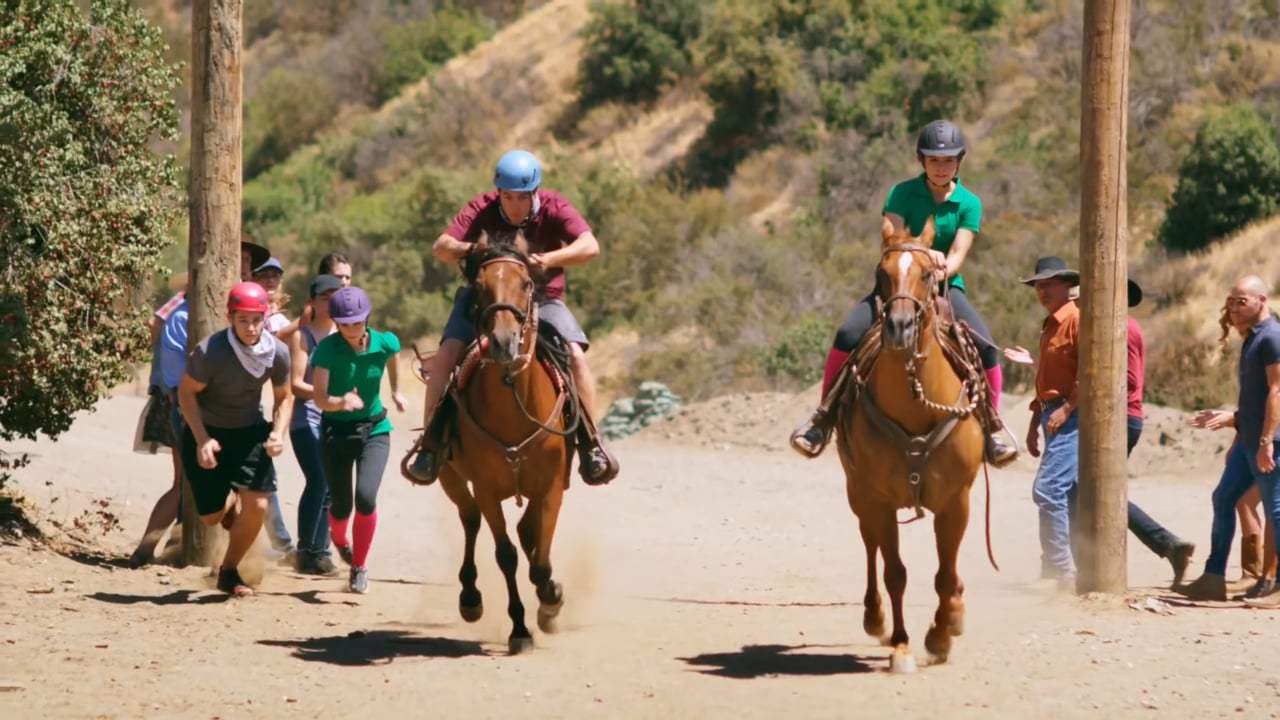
<point>248,297</point>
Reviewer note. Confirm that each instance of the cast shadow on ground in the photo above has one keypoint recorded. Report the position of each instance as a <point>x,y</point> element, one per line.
<point>754,661</point>
<point>189,597</point>
<point>377,647</point>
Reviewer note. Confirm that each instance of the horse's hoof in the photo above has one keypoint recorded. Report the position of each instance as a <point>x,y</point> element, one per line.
<point>471,613</point>
<point>519,645</point>
<point>957,625</point>
<point>902,662</point>
<point>938,643</point>
<point>547,617</point>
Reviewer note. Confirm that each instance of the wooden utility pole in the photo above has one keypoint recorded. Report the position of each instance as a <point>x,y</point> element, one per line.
<point>1104,101</point>
<point>214,258</point>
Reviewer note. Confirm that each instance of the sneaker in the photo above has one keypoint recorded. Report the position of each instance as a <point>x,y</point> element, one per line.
<point>1264,587</point>
<point>810,438</point>
<point>1205,587</point>
<point>344,552</point>
<point>230,582</point>
<point>1179,558</point>
<point>316,564</point>
<point>288,558</point>
<point>998,452</point>
<point>424,468</point>
<point>359,580</point>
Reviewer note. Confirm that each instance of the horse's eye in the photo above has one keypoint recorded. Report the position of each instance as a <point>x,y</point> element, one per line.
<point>528,284</point>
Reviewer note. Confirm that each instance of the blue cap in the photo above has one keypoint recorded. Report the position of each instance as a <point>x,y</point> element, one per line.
<point>271,264</point>
<point>518,171</point>
<point>350,305</point>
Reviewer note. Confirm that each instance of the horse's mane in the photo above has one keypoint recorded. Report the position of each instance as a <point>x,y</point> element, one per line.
<point>502,243</point>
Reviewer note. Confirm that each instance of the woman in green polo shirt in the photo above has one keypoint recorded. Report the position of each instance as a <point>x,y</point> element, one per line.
<point>957,214</point>
<point>354,429</point>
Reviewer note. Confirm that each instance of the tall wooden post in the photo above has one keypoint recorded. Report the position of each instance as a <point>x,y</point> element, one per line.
<point>214,258</point>
<point>1104,101</point>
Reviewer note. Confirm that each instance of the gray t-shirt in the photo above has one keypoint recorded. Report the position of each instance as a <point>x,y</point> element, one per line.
<point>232,397</point>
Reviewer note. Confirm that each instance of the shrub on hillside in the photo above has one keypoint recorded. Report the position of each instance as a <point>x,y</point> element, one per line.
<point>85,204</point>
<point>416,48</point>
<point>633,50</point>
<point>287,112</point>
<point>797,355</point>
<point>1229,178</point>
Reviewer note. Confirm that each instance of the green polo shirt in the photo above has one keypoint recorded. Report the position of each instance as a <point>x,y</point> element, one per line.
<point>912,200</point>
<point>362,372</point>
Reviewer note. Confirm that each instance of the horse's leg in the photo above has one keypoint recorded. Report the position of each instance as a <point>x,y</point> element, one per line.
<point>872,610</point>
<point>948,526</point>
<point>527,528</point>
<point>470,603</point>
<point>895,581</point>
<point>550,594</point>
<point>508,561</point>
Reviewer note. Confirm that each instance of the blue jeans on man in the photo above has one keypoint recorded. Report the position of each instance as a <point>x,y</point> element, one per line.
<point>1240,474</point>
<point>1054,489</point>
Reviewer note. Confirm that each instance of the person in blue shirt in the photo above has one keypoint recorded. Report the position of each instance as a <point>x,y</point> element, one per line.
<point>1252,458</point>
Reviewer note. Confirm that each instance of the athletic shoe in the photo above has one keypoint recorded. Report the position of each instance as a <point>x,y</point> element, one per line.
<point>359,581</point>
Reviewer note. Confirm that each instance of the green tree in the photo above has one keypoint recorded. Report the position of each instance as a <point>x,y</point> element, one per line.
<point>636,49</point>
<point>1229,178</point>
<point>414,49</point>
<point>84,203</point>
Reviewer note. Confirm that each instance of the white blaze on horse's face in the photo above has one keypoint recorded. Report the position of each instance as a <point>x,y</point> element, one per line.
<point>900,316</point>
<point>904,266</point>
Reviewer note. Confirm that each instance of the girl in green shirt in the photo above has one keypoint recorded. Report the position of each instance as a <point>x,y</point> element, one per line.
<point>957,213</point>
<point>354,429</point>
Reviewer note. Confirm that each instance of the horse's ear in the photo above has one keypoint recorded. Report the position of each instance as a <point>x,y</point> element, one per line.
<point>886,230</point>
<point>482,242</point>
<point>520,242</point>
<point>926,235</point>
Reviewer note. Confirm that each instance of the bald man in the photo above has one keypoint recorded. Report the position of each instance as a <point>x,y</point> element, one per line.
<point>1252,458</point>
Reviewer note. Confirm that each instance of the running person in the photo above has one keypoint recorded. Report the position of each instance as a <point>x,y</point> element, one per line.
<point>268,275</point>
<point>313,506</point>
<point>349,365</point>
<point>227,445</point>
<point>957,213</point>
<point>558,238</point>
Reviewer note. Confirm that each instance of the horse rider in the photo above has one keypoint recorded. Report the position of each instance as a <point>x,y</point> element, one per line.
<point>957,213</point>
<point>558,238</point>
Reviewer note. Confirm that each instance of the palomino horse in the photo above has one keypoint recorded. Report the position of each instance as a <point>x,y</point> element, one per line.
<point>510,438</point>
<point>908,439</point>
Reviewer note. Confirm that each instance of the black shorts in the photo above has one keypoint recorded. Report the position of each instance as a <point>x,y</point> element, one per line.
<point>243,464</point>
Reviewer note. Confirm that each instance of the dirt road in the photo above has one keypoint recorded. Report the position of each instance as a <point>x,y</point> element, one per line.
<point>703,583</point>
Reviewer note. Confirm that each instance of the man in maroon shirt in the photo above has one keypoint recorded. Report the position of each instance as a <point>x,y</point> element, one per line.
<point>558,238</point>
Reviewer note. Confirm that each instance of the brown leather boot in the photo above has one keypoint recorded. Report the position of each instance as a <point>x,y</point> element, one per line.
<point>811,436</point>
<point>1205,587</point>
<point>1251,555</point>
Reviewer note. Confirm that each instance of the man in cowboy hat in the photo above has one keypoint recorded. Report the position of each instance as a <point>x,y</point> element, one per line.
<point>1155,536</point>
<point>1054,408</point>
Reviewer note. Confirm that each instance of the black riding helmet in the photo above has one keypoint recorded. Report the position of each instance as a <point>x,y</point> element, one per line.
<point>941,138</point>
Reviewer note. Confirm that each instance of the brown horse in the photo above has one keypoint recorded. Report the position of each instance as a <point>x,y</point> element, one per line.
<point>510,438</point>
<point>908,439</point>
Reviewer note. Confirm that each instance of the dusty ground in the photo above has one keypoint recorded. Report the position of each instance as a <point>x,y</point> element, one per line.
<point>704,583</point>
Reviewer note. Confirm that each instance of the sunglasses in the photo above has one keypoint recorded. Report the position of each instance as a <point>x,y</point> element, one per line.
<point>1238,301</point>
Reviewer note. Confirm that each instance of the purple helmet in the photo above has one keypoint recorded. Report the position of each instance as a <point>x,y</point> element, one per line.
<point>350,305</point>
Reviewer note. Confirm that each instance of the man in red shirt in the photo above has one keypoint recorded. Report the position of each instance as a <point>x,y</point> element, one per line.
<point>558,238</point>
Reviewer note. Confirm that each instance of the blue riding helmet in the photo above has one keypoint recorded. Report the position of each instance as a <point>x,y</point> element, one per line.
<point>518,171</point>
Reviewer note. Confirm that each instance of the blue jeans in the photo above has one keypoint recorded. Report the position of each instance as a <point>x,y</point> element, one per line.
<point>1053,490</point>
<point>313,507</point>
<point>1240,474</point>
<point>277,529</point>
<point>1152,534</point>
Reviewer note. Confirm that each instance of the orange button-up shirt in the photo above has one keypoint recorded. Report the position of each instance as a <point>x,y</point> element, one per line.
<point>1059,351</point>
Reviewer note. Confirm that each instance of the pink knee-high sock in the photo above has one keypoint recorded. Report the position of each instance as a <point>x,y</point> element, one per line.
<point>365,525</point>
<point>835,361</point>
<point>338,530</point>
<point>995,378</point>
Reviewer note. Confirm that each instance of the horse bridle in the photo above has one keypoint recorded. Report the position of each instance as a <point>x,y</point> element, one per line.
<point>527,317</point>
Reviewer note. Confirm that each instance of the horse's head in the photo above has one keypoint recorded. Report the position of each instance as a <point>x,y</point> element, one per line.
<point>905,283</point>
<point>498,267</point>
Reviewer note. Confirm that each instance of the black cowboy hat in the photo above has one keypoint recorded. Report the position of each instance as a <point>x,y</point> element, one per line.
<point>1135,293</point>
<point>1051,267</point>
<point>257,254</point>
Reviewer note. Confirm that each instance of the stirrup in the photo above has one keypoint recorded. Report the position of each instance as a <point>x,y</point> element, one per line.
<point>802,440</point>
<point>596,465</point>
<point>998,453</point>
